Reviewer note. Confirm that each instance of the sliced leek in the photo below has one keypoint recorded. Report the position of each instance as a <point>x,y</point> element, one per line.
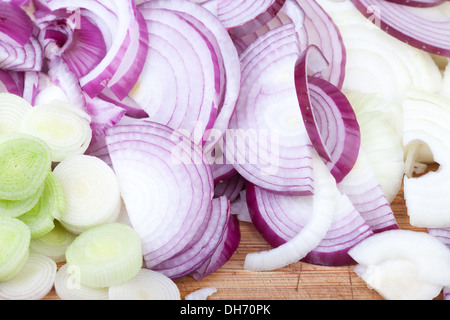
<point>106,255</point>
<point>51,204</point>
<point>65,128</point>
<point>68,287</point>
<point>91,191</point>
<point>146,285</point>
<point>53,244</point>
<point>12,110</point>
<point>14,247</point>
<point>25,162</point>
<point>33,282</point>
<point>15,208</point>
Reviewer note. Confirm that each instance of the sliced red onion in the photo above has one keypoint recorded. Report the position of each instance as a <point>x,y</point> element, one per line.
<point>19,48</point>
<point>320,30</point>
<point>279,218</point>
<point>329,118</point>
<point>9,84</point>
<point>221,52</point>
<point>166,186</point>
<point>427,29</point>
<point>119,24</point>
<point>418,3</point>
<point>15,23</point>
<point>104,115</point>
<point>363,189</point>
<point>132,108</point>
<point>230,187</point>
<point>31,85</point>
<point>72,36</point>
<point>267,142</point>
<point>179,85</point>
<point>245,16</point>
<point>202,246</point>
<point>61,76</point>
<point>316,225</point>
<point>224,251</point>
<point>442,234</point>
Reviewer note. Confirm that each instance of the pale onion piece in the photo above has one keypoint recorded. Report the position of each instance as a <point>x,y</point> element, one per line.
<point>68,287</point>
<point>426,200</point>
<point>106,255</point>
<point>92,192</point>
<point>33,282</point>
<point>147,284</point>
<point>13,109</point>
<point>50,94</point>
<point>201,294</point>
<point>431,256</point>
<point>14,247</point>
<point>24,165</point>
<point>381,143</point>
<point>240,209</point>
<point>64,127</point>
<point>324,201</point>
<point>53,244</point>
<point>378,63</point>
<point>397,279</point>
<point>445,91</point>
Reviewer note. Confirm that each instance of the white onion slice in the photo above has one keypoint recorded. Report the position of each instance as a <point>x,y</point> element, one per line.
<point>92,192</point>
<point>146,285</point>
<point>33,282</point>
<point>68,287</point>
<point>431,257</point>
<point>425,196</point>
<point>201,294</point>
<point>397,279</point>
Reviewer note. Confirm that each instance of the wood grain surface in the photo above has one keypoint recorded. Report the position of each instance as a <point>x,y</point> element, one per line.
<point>299,281</point>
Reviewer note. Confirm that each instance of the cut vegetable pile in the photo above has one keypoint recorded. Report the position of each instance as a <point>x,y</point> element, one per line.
<point>136,136</point>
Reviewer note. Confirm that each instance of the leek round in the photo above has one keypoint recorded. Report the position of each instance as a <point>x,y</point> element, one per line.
<point>24,164</point>
<point>106,255</point>
<point>53,244</point>
<point>64,127</point>
<point>13,109</point>
<point>146,285</point>
<point>68,287</point>
<point>91,190</point>
<point>33,282</point>
<point>14,247</point>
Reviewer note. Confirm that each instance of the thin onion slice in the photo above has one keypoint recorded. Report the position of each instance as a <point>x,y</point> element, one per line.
<point>202,246</point>
<point>91,190</point>
<point>315,229</point>
<point>329,118</point>
<point>106,255</point>
<point>68,287</point>
<point>201,294</point>
<point>146,285</point>
<point>429,32</point>
<point>33,282</point>
<point>14,247</point>
<point>267,142</point>
<point>165,183</point>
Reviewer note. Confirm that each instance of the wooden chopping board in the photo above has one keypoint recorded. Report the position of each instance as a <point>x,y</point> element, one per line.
<point>299,281</point>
